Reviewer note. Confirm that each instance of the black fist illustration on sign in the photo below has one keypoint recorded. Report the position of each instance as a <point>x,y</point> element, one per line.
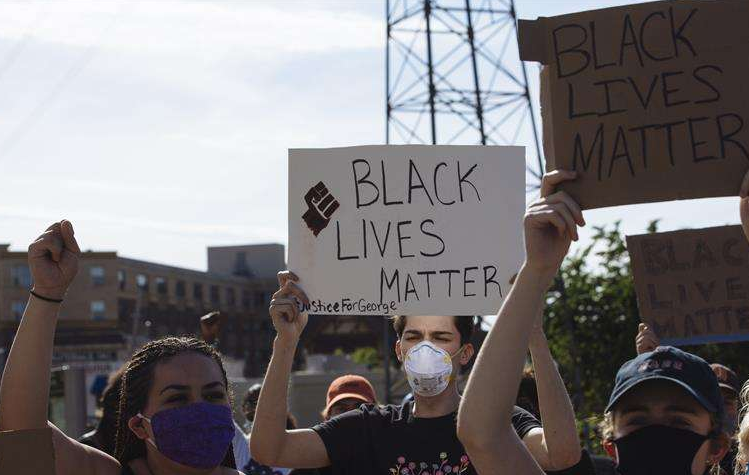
<point>321,205</point>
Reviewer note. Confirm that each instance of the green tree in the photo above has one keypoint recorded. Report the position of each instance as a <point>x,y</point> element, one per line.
<point>367,356</point>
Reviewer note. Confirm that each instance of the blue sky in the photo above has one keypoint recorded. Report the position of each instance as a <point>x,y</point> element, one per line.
<point>160,128</point>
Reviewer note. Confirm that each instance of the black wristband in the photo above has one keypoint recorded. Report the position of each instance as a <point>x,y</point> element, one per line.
<point>46,299</point>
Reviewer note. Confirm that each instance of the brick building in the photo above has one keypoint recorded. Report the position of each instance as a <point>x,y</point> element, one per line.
<point>114,298</point>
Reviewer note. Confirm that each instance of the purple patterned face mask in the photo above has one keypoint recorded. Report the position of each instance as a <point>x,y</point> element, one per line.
<point>197,435</point>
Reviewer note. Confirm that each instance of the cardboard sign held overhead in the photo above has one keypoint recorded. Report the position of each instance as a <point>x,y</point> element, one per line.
<point>646,102</point>
<point>693,286</point>
<point>406,230</point>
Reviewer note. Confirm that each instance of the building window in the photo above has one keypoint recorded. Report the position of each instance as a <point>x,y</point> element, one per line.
<point>16,309</point>
<point>259,299</point>
<point>97,275</point>
<point>98,310</point>
<point>215,297</point>
<point>161,288</point>
<point>121,276</point>
<point>142,281</point>
<point>21,276</point>
<point>246,302</point>
<point>197,292</point>
<point>231,297</point>
<point>180,288</point>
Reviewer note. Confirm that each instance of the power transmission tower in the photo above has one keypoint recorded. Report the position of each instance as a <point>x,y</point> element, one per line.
<point>454,76</point>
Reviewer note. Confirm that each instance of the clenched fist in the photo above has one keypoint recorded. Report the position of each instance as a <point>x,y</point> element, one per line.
<point>53,260</point>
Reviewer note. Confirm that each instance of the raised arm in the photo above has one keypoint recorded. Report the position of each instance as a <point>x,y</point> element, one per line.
<point>484,421</point>
<point>744,205</point>
<point>557,445</point>
<point>270,443</point>
<point>24,391</point>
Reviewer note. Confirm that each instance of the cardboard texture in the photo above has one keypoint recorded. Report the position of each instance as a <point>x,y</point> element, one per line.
<point>27,452</point>
<point>693,286</point>
<point>647,102</point>
<point>406,230</point>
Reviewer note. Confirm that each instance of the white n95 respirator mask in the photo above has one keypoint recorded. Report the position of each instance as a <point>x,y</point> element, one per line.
<point>428,368</point>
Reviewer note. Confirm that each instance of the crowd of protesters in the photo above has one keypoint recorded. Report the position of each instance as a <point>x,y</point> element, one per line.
<point>168,410</point>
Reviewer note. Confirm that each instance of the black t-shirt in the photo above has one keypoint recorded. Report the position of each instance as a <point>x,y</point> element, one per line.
<point>389,440</point>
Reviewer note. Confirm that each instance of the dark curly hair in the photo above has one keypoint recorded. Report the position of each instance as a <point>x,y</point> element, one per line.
<point>137,380</point>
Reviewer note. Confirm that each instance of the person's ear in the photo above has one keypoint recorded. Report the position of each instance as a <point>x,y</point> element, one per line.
<point>610,449</point>
<point>398,350</point>
<point>719,447</point>
<point>467,354</point>
<point>138,426</point>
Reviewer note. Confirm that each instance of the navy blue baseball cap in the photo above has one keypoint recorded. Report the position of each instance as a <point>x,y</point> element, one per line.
<point>667,363</point>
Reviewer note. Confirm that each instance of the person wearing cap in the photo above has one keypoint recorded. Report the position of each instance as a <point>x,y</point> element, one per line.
<point>665,411</point>
<point>347,393</point>
<point>666,415</point>
<point>729,383</point>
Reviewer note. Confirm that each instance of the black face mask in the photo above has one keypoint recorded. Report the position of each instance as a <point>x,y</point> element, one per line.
<point>658,450</point>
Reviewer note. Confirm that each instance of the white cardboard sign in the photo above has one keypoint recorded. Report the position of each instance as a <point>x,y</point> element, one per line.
<point>406,229</point>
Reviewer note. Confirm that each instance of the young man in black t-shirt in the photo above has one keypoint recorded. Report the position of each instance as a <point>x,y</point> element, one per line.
<point>418,438</point>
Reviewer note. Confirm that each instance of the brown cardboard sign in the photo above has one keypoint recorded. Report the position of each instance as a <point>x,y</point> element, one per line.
<point>646,102</point>
<point>693,285</point>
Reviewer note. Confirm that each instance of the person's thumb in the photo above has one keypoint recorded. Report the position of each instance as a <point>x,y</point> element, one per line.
<point>642,327</point>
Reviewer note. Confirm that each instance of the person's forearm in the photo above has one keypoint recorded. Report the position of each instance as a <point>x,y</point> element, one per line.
<point>269,426</point>
<point>486,408</point>
<point>561,440</point>
<point>24,391</point>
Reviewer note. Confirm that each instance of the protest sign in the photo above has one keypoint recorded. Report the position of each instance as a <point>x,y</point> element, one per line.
<point>693,286</point>
<point>406,229</point>
<point>646,102</point>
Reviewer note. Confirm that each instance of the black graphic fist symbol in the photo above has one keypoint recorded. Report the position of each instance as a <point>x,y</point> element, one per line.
<point>321,205</point>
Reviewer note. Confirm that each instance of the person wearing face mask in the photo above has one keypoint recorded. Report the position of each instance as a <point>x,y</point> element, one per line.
<point>665,411</point>
<point>417,437</point>
<point>174,414</point>
<point>729,384</point>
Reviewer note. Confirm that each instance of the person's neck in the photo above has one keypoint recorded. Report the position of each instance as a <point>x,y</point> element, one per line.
<point>442,404</point>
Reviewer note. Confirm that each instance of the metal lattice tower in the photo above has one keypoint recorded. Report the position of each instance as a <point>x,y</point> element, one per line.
<point>454,76</point>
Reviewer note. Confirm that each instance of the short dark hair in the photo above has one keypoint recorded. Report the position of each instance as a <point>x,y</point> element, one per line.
<point>464,324</point>
<point>249,403</point>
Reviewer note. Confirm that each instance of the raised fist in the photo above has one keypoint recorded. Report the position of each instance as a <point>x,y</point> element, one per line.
<point>321,205</point>
<point>53,260</point>
<point>210,324</point>
<point>284,310</point>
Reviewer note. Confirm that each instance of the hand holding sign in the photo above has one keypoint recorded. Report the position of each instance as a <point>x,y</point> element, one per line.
<point>321,205</point>
<point>551,224</point>
<point>53,260</point>
<point>744,205</point>
<point>646,339</point>
<point>284,308</point>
